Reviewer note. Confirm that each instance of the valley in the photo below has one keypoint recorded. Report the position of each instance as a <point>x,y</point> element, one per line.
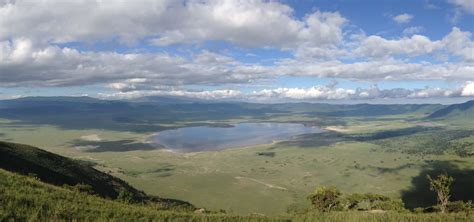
<point>384,149</point>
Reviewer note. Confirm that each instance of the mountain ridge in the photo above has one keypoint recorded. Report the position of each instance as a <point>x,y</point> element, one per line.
<point>449,111</point>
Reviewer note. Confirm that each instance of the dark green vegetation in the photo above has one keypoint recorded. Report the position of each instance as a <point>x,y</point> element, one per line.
<point>327,199</point>
<point>62,171</point>
<point>417,140</point>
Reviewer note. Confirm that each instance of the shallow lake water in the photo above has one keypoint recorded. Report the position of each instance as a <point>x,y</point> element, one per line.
<point>202,138</point>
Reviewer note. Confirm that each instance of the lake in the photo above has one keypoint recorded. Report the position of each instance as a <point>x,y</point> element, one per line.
<point>202,138</point>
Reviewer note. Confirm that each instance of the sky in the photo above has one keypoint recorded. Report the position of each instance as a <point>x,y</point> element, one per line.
<point>337,51</point>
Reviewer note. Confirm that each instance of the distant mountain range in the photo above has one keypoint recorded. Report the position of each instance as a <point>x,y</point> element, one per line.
<point>147,114</point>
<point>455,111</point>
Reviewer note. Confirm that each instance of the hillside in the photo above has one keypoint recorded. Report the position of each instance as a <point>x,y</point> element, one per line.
<point>28,199</point>
<point>455,111</point>
<point>60,171</point>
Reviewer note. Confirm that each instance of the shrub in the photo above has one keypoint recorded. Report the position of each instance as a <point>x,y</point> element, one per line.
<point>125,196</point>
<point>325,199</point>
<point>370,201</point>
<point>459,206</point>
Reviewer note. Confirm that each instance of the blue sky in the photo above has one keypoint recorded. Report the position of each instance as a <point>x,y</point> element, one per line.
<point>251,50</point>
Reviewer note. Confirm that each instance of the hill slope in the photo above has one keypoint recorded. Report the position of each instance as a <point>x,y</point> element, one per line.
<point>28,199</point>
<point>25,198</point>
<point>59,170</point>
<point>455,111</point>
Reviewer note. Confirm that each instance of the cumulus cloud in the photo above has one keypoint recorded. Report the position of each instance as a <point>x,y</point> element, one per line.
<point>377,46</point>
<point>468,89</point>
<point>253,23</point>
<point>402,18</point>
<point>384,69</point>
<point>459,43</point>
<point>24,64</point>
<point>247,22</point>
<point>456,43</point>
<point>319,44</point>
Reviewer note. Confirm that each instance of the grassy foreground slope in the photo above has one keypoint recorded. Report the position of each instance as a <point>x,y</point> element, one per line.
<point>58,170</point>
<point>26,198</point>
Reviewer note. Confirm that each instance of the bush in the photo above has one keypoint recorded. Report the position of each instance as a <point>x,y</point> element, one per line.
<point>325,199</point>
<point>125,196</point>
<point>459,206</point>
<point>370,201</point>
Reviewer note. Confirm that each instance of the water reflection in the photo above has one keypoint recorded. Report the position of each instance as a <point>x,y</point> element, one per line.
<point>202,138</point>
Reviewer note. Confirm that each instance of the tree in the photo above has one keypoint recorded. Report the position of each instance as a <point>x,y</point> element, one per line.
<point>442,186</point>
<point>325,198</point>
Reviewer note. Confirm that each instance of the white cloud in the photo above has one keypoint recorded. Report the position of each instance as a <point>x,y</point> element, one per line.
<point>336,93</point>
<point>376,46</point>
<point>319,44</point>
<point>208,95</point>
<point>459,43</point>
<point>432,92</point>
<point>246,22</point>
<point>384,69</point>
<point>455,43</point>
<point>468,89</point>
<point>413,30</point>
<point>403,18</point>
<point>254,23</point>
<point>24,64</point>
<point>315,93</point>
<point>467,5</point>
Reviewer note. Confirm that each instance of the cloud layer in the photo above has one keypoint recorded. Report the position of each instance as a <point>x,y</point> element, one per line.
<point>315,93</point>
<point>37,41</point>
<point>248,23</point>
